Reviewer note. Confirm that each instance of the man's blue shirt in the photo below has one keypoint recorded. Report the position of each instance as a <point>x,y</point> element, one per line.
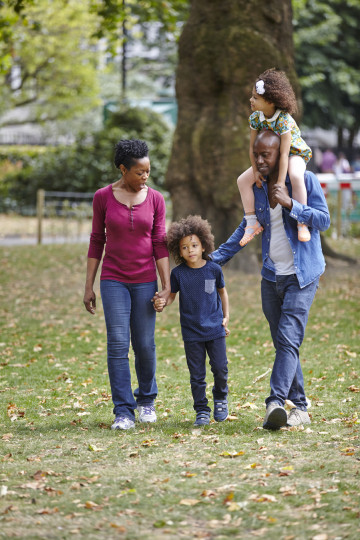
<point>308,257</point>
<point>200,304</point>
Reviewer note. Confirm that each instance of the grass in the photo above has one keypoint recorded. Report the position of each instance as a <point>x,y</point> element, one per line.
<point>64,473</point>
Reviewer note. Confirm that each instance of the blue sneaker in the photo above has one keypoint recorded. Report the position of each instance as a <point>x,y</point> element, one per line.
<point>221,410</point>
<point>123,422</point>
<point>202,418</point>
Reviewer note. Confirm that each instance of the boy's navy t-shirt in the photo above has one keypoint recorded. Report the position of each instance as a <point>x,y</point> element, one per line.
<point>200,305</point>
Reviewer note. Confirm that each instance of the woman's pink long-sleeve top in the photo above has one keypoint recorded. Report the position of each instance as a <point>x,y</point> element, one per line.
<point>134,238</point>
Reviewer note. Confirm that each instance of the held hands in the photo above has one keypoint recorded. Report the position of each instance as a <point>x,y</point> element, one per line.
<point>159,302</point>
<point>90,301</point>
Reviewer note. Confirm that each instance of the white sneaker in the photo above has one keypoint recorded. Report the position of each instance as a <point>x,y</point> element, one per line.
<point>123,422</point>
<point>147,413</point>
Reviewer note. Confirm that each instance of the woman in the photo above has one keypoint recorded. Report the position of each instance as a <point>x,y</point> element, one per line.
<point>129,217</point>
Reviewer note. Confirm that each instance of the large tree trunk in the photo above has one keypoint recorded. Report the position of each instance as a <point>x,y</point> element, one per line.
<point>223,48</point>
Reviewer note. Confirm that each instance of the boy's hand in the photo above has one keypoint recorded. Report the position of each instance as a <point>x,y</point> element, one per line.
<point>159,303</point>
<point>225,323</point>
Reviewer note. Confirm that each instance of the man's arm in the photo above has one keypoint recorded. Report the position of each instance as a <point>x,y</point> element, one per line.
<point>228,249</point>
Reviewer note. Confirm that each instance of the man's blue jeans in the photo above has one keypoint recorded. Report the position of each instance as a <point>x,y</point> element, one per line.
<point>129,314</point>
<point>286,308</point>
<point>196,360</point>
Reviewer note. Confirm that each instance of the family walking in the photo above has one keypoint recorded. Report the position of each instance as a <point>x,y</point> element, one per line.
<point>281,200</point>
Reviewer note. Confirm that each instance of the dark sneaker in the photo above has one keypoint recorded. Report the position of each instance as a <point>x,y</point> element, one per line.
<point>202,418</point>
<point>297,417</point>
<point>275,416</point>
<point>146,413</point>
<point>221,410</point>
<point>123,422</point>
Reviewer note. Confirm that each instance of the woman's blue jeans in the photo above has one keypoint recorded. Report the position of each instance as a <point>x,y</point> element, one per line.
<point>286,307</point>
<point>129,314</point>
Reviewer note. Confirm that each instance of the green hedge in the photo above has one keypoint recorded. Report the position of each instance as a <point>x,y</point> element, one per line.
<point>84,166</point>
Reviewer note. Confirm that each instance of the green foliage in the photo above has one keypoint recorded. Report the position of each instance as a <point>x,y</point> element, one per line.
<point>48,61</point>
<point>326,36</point>
<point>113,13</point>
<point>88,164</point>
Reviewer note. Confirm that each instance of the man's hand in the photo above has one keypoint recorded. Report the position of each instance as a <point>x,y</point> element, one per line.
<point>281,195</point>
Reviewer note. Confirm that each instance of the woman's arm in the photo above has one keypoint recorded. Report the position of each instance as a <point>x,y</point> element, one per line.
<point>89,295</point>
<point>163,267</point>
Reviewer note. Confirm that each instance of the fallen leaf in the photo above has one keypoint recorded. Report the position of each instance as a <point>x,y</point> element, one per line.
<point>262,498</point>
<point>189,502</point>
<point>231,454</point>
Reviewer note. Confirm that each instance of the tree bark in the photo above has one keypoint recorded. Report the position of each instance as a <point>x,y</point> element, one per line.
<point>224,46</point>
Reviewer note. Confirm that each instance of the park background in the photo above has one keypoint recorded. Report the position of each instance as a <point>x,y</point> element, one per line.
<point>76,77</point>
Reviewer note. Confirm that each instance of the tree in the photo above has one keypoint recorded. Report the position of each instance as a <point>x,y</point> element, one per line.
<point>48,60</point>
<point>327,59</point>
<point>223,47</point>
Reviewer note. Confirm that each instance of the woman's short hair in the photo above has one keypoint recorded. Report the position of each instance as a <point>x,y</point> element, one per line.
<point>128,151</point>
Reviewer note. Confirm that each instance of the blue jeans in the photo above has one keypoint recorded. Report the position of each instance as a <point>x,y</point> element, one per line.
<point>196,355</point>
<point>286,308</point>
<point>129,314</point>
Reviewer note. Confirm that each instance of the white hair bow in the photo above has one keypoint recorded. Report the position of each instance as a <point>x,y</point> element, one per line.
<point>260,87</point>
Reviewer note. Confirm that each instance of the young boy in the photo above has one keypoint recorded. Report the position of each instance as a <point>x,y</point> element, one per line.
<point>204,312</point>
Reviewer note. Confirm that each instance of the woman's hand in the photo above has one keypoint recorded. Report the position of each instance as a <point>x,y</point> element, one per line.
<point>90,301</point>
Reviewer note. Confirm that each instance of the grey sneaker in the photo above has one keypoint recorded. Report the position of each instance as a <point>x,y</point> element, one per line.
<point>275,416</point>
<point>147,413</point>
<point>297,417</point>
<point>202,418</point>
<point>123,422</point>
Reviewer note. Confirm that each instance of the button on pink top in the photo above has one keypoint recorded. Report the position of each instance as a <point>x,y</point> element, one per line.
<point>134,238</point>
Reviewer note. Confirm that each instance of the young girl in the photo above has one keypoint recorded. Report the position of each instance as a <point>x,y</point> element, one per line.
<point>273,101</point>
<point>204,312</point>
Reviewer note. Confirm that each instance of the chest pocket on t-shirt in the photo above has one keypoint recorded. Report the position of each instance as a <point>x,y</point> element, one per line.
<point>209,285</point>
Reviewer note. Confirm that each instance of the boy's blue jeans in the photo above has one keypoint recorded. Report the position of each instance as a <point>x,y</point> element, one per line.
<point>196,360</point>
<point>286,307</point>
<point>129,314</point>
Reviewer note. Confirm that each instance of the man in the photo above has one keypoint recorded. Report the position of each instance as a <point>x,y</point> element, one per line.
<point>290,272</point>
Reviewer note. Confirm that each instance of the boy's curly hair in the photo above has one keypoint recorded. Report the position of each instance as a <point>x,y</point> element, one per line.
<point>186,227</point>
<point>278,90</point>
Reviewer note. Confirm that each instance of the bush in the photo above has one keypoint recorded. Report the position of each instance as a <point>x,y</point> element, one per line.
<point>88,164</point>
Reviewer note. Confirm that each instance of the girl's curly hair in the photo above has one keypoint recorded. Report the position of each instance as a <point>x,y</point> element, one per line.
<point>278,90</point>
<point>186,227</point>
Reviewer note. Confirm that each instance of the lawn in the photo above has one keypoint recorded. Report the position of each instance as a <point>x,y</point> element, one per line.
<point>65,474</point>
